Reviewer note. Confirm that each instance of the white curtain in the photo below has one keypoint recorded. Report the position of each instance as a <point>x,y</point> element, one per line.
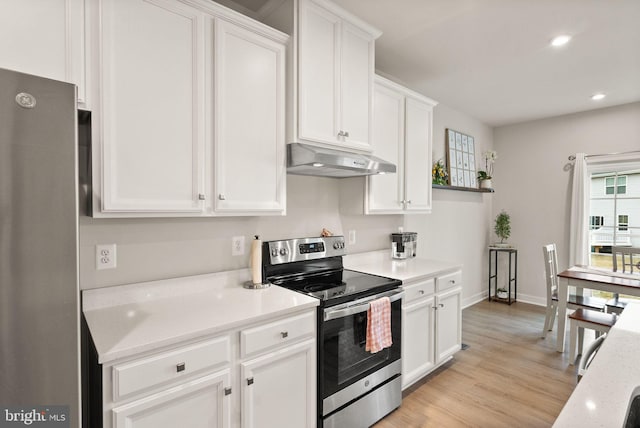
<point>579,233</point>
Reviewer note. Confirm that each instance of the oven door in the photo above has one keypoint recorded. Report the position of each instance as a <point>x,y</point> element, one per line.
<point>343,359</point>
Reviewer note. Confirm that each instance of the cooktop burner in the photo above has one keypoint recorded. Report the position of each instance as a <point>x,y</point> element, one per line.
<point>338,286</point>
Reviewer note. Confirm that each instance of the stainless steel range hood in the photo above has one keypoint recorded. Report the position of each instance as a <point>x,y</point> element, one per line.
<point>305,159</point>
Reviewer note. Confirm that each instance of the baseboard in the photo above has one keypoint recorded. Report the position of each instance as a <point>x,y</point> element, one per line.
<point>524,298</point>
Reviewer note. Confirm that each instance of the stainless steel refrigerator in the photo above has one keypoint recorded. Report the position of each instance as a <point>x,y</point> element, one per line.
<point>39,292</point>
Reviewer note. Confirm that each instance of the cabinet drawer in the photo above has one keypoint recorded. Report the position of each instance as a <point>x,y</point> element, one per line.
<point>418,290</point>
<point>449,281</point>
<point>276,333</point>
<point>145,373</point>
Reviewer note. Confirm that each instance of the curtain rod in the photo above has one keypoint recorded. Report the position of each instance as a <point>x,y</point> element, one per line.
<point>573,157</point>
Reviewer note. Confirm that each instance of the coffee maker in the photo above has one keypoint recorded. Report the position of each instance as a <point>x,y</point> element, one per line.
<point>404,244</point>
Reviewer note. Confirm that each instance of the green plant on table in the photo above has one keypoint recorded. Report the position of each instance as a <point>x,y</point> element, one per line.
<point>503,226</point>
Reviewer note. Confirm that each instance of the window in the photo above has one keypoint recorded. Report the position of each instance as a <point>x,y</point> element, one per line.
<point>610,185</point>
<point>623,222</point>
<point>596,222</point>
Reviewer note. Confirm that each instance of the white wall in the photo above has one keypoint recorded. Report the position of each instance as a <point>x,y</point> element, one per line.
<point>532,179</point>
<point>149,249</point>
<point>458,227</point>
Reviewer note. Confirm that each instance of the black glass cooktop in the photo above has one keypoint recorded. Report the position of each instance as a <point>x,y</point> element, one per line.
<point>337,286</point>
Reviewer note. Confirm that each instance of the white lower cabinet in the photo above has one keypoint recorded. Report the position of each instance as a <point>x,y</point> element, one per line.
<point>431,325</point>
<point>201,403</point>
<point>258,375</point>
<point>278,389</point>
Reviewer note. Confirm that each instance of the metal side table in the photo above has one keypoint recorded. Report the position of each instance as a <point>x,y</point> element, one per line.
<point>512,253</point>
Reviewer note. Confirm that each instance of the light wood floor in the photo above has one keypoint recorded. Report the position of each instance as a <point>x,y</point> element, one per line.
<point>508,377</point>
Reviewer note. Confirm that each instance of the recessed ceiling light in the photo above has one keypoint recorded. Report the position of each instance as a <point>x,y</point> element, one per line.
<point>560,40</point>
<point>598,96</point>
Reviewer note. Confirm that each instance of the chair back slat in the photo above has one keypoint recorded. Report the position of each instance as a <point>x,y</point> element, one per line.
<point>626,258</point>
<point>551,269</point>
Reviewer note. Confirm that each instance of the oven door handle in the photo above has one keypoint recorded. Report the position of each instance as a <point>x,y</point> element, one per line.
<point>360,305</point>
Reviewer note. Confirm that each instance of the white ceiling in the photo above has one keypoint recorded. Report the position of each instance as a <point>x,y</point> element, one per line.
<point>492,60</point>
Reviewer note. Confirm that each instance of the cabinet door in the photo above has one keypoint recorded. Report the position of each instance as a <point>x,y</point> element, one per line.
<point>250,160</point>
<point>356,83</point>
<point>201,403</point>
<point>45,38</point>
<point>279,389</point>
<point>418,356</point>
<point>385,193</point>
<point>448,323</point>
<point>418,156</point>
<point>318,74</point>
<point>152,92</point>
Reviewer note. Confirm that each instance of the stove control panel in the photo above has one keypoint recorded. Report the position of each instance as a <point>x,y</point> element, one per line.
<point>294,250</point>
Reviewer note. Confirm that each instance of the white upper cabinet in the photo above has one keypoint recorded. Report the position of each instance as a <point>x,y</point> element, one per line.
<point>335,72</point>
<point>151,70</point>
<point>44,38</point>
<point>250,109</point>
<point>191,114</point>
<point>402,134</point>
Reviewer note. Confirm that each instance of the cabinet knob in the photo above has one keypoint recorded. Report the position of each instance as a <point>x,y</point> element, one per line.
<point>420,291</point>
<point>284,334</point>
<point>227,391</point>
<point>250,381</point>
<point>180,367</point>
<point>441,305</point>
<point>201,196</point>
<point>453,281</point>
<point>409,201</point>
<point>221,197</point>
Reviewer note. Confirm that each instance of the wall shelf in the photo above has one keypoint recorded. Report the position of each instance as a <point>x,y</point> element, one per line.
<point>464,189</point>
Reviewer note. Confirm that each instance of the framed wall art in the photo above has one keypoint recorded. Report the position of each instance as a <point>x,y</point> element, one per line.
<point>461,159</point>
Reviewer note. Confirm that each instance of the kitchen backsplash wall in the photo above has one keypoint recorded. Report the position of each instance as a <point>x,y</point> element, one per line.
<point>149,249</point>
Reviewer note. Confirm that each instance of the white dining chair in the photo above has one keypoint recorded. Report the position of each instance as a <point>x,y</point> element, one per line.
<point>625,260</point>
<point>573,302</point>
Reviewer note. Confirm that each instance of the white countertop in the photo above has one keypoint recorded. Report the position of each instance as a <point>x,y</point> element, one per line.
<point>602,397</point>
<point>130,319</point>
<point>381,263</point>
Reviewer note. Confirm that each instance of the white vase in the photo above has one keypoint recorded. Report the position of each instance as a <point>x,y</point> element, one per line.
<point>486,184</point>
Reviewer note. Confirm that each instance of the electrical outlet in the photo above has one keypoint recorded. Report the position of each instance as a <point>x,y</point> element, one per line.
<point>352,237</point>
<point>105,256</point>
<point>237,246</point>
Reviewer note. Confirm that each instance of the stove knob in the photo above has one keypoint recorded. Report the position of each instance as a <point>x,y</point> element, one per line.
<point>274,252</point>
<point>336,245</point>
<point>283,251</point>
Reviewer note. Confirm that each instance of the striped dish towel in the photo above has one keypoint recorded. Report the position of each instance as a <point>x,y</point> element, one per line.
<point>378,325</point>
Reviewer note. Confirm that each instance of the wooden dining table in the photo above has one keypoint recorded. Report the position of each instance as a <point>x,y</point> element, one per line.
<point>595,279</point>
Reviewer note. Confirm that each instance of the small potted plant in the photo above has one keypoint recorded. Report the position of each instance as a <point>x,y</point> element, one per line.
<point>502,228</point>
<point>484,176</point>
<point>439,173</point>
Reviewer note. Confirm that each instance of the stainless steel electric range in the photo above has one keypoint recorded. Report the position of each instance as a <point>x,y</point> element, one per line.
<point>355,387</point>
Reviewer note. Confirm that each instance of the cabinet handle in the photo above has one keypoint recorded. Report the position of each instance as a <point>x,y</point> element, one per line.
<point>409,201</point>
<point>453,281</point>
<point>250,381</point>
<point>227,391</point>
<point>201,196</point>
<point>221,197</point>
<point>180,367</point>
<point>420,291</point>
<point>434,308</point>
<point>284,334</point>
<point>441,305</point>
